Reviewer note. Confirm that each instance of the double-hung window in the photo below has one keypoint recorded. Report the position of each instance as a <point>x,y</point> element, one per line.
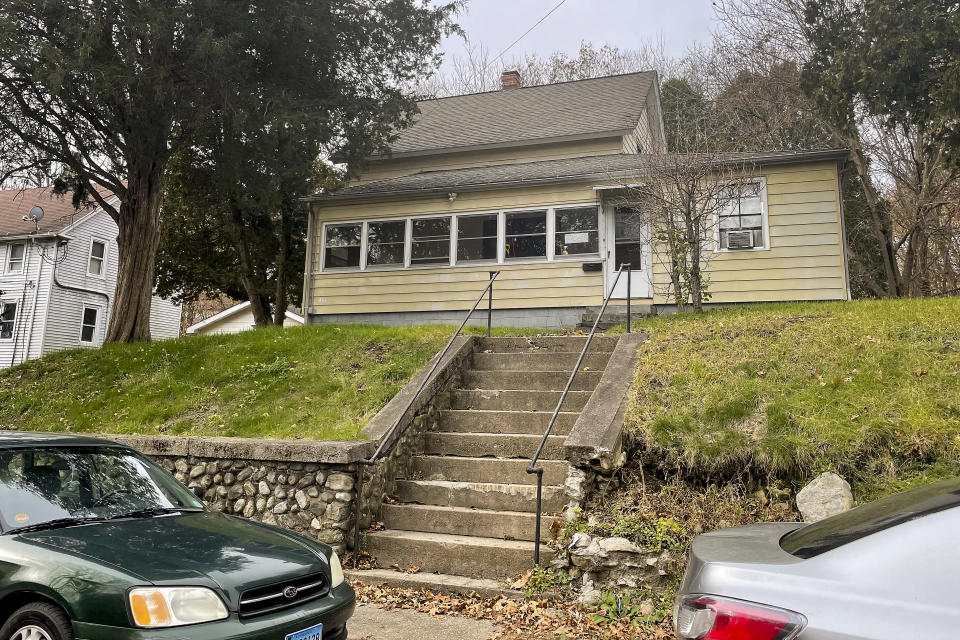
<point>741,217</point>
<point>15,254</point>
<point>8,315</point>
<point>576,231</point>
<point>97,259</point>
<point>477,237</point>
<point>525,235</point>
<point>342,246</point>
<point>88,325</point>
<point>430,241</point>
<point>386,243</point>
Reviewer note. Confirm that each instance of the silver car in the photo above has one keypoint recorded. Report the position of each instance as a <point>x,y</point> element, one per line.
<point>887,570</point>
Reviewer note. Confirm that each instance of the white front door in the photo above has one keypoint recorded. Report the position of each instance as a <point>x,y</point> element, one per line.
<point>628,242</point>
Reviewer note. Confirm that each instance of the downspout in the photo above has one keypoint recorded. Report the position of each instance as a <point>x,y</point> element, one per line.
<point>843,234</point>
<point>308,268</point>
<point>67,287</point>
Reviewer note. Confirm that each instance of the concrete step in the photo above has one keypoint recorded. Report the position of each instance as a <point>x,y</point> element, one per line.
<point>538,361</point>
<point>496,400</point>
<point>485,470</point>
<point>506,525</point>
<point>499,445</point>
<point>433,582</point>
<point>456,555</point>
<point>531,422</point>
<point>531,380</point>
<point>481,495</point>
<point>546,344</point>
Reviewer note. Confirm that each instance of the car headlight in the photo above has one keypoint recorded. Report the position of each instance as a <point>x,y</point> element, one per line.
<point>155,607</point>
<point>336,571</point>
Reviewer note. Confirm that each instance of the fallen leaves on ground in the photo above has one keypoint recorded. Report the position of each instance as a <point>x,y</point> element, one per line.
<point>518,619</point>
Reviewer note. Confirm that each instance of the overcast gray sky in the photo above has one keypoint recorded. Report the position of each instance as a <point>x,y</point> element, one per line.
<point>624,23</point>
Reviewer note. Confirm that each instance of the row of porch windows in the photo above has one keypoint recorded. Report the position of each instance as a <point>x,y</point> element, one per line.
<point>88,322</point>
<point>475,238</point>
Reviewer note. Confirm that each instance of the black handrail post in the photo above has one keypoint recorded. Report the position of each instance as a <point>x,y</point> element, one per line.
<point>493,274</point>
<point>536,538</point>
<point>628,296</point>
<point>389,440</point>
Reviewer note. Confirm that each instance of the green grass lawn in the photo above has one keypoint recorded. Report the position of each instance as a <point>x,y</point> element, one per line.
<point>322,382</point>
<point>869,389</point>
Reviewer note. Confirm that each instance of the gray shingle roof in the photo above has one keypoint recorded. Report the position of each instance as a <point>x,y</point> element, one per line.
<point>602,167</point>
<point>581,108</point>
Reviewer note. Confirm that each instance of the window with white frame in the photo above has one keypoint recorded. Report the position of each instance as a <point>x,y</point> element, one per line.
<point>8,315</point>
<point>430,241</point>
<point>477,237</point>
<point>88,325</point>
<point>386,243</point>
<point>342,246</point>
<point>741,218</point>
<point>525,235</point>
<point>576,231</point>
<point>552,233</point>
<point>15,254</point>
<point>98,258</point>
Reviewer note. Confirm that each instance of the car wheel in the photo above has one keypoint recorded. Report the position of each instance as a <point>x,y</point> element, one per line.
<point>37,621</point>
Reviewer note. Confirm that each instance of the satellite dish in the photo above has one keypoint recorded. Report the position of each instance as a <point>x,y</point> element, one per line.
<point>35,216</point>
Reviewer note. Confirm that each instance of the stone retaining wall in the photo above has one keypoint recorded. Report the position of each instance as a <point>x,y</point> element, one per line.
<point>309,498</point>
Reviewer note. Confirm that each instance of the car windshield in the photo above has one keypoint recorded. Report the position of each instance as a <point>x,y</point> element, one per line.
<point>820,537</point>
<point>47,486</point>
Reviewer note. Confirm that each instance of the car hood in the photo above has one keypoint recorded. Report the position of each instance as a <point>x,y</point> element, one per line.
<point>190,548</point>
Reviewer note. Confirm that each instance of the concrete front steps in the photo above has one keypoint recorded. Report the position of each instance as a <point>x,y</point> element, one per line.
<point>466,510</point>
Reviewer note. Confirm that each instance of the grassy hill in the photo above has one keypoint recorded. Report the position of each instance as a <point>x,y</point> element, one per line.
<point>313,382</point>
<point>869,389</point>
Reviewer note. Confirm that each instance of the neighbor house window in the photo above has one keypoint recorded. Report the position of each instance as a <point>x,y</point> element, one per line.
<point>342,246</point>
<point>8,314</point>
<point>576,231</point>
<point>526,235</point>
<point>741,217</point>
<point>477,237</point>
<point>386,242</point>
<point>88,325</point>
<point>98,256</point>
<point>15,257</point>
<point>430,241</point>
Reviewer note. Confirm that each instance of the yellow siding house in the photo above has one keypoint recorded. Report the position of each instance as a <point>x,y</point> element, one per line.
<point>527,181</point>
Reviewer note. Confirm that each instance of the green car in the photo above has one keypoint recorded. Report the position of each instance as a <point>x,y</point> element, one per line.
<point>99,543</point>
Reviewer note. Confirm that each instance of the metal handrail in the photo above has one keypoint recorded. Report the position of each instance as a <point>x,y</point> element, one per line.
<point>387,443</point>
<point>532,468</point>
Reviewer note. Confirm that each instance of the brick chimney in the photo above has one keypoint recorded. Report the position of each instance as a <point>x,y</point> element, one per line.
<point>510,80</point>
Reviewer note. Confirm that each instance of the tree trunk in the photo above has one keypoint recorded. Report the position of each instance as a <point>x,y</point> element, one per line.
<point>138,219</point>
<point>258,305</point>
<point>879,220</point>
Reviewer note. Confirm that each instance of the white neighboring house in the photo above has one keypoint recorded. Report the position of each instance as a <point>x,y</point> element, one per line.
<point>58,276</point>
<point>237,318</point>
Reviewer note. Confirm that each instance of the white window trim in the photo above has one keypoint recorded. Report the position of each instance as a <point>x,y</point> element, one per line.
<point>501,259</point>
<point>8,257</point>
<point>764,222</point>
<point>90,257</point>
<point>16,317</point>
<point>96,327</point>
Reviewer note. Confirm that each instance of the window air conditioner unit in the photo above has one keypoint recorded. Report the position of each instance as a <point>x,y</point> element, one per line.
<point>740,240</point>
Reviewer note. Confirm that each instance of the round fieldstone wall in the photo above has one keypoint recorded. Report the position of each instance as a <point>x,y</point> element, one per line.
<point>312,499</point>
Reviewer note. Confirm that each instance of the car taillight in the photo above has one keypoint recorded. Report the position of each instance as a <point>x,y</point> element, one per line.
<point>713,618</point>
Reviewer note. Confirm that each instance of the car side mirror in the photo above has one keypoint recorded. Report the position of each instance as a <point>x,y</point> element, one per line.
<point>198,491</point>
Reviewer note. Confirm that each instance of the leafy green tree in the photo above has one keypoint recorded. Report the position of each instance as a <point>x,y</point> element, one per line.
<point>109,91</point>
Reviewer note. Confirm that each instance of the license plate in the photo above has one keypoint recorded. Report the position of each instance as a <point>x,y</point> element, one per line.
<point>313,633</point>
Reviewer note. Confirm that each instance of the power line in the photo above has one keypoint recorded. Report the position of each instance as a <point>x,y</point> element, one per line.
<point>526,33</point>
